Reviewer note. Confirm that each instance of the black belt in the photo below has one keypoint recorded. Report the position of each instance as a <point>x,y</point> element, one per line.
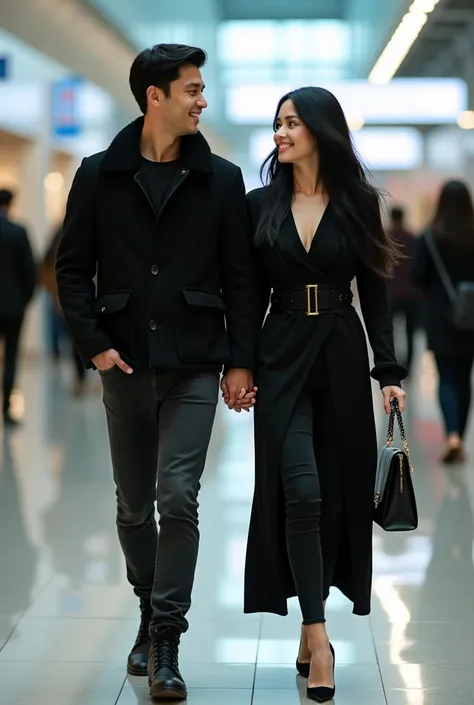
<point>313,300</point>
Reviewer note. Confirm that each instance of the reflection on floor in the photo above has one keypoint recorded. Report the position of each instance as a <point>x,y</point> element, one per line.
<point>68,618</point>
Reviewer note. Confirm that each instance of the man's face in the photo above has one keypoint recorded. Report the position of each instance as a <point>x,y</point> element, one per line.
<point>182,110</point>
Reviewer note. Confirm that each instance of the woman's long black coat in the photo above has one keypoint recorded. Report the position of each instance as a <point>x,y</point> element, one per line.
<point>289,344</point>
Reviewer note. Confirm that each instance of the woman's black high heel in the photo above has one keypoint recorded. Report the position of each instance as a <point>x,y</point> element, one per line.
<point>303,668</point>
<point>322,694</point>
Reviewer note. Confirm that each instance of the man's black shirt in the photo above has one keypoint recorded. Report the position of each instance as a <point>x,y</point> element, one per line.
<point>159,179</point>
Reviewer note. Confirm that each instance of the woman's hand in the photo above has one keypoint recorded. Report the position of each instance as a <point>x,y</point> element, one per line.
<point>390,393</point>
<point>245,400</point>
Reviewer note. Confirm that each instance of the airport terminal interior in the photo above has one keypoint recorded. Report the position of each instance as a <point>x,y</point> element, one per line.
<point>404,73</point>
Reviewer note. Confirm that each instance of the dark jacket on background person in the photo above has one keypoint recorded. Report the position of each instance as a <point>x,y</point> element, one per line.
<point>176,287</point>
<point>401,285</point>
<point>443,338</point>
<point>17,269</point>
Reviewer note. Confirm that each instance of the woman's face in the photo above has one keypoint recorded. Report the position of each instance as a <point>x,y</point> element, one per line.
<point>292,138</point>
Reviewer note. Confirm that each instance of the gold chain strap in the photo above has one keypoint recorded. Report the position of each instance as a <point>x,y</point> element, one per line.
<point>395,411</point>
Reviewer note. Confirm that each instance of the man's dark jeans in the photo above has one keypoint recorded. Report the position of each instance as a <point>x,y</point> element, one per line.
<point>159,429</point>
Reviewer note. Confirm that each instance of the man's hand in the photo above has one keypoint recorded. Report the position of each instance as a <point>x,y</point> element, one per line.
<point>108,359</point>
<point>245,401</point>
<point>236,386</point>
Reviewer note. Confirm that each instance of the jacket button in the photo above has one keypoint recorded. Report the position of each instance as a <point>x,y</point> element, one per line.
<point>102,309</point>
<point>153,325</point>
<point>154,270</point>
<point>184,171</point>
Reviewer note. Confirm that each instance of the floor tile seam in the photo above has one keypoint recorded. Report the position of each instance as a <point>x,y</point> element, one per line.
<point>37,597</point>
<point>121,690</point>
<point>254,680</point>
<point>24,613</point>
<point>14,628</point>
<point>8,637</point>
<point>374,644</point>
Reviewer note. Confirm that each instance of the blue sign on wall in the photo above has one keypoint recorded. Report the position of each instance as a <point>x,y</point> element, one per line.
<point>65,116</point>
<point>3,68</point>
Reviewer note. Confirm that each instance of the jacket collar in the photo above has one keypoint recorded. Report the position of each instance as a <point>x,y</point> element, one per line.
<point>124,151</point>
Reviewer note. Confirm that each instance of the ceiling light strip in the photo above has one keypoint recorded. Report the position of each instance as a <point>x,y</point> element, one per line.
<point>401,41</point>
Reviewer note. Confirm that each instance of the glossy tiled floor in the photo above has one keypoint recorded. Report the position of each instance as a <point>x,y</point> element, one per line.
<point>68,617</point>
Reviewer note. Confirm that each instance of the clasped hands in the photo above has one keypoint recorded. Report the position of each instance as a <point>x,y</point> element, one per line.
<point>238,390</point>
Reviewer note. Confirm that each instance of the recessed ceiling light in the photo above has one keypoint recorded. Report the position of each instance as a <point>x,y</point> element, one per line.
<point>401,41</point>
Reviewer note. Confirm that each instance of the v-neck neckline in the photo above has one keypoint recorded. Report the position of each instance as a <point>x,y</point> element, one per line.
<point>308,252</point>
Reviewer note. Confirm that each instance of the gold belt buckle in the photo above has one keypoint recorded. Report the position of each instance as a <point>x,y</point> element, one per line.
<point>312,299</point>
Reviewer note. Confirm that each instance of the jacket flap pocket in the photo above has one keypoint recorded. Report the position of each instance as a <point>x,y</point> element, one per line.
<point>111,303</point>
<point>203,298</point>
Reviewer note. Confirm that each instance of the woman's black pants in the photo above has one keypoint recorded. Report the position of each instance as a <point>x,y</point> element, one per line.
<point>310,449</point>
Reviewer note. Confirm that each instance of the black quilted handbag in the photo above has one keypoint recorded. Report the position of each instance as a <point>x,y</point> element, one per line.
<point>395,503</point>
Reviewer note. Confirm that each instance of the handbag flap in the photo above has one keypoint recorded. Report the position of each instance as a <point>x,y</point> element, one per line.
<point>386,455</point>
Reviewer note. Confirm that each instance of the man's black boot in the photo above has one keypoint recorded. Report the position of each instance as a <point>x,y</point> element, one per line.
<point>164,677</point>
<point>138,658</point>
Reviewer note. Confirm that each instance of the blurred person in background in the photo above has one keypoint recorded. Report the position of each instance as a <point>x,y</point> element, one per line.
<point>163,221</point>
<point>452,233</point>
<point>404,295</point>
<point>317,225</point>
<point>17,285</point>
<point>47,278</point>
<point>56,329</point>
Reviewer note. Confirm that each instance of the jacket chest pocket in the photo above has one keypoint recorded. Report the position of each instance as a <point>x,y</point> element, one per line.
<point>202,336</point>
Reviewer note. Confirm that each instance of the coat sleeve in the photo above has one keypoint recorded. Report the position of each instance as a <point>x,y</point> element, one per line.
<point>239,281</point>
<point>422,269</point>
<point>375,306</point>
<point>26,266</point>
<point>76,266</point>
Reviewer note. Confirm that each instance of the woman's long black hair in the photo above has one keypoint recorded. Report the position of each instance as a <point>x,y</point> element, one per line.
<point>454,218</point>
<point>353,198</point>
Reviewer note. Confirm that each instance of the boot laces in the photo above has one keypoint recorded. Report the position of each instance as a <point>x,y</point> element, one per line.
<point>143,636</point>
<point>166,651</point>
